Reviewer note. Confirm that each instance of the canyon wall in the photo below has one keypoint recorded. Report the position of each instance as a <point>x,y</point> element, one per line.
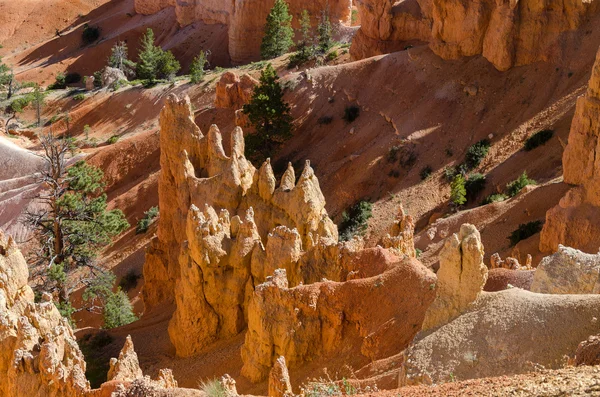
<point>574,221</point>
<point>507,33</point>
<point>235,249</point>
<point>245,19</point>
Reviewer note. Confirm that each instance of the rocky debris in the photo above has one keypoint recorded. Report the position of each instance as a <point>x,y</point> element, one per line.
<point>233,91</point>
<point>568,271</point>
<point>39,355</point>
<point>501,279</point>
<point>506,34</point>
<point>400,237</point>
<point>573,222</point>
<point>588,352</point>
<point>461,277</point>
<point>111,77</point>
<point>321,319</point>
<point>279,380</point>
<point>126,367</point>
<point>245,20</point>
<point>503,333</point>
<point>89,83</point>
<point>496,262</point>
<point>229,385</point>
<point>146,387</point>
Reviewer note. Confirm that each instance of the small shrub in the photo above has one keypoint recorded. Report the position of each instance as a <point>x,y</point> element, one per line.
<point>474,185</point>
<point>514,187</point>
<point>19,104</point>
<point>213,388</point>
<point>72,78</point>
<point>351,113</point>
<point>392,155</point>
<point>476,153</point>
<point>538,139</point>
<point>355,220</point>
<point>524,231</point>
<point>129,280</point>
<point>354,17</point>
<point>425,172</point>
<point>118,310</point>
<point>325,120</point>
<point>418,252</point>
<point>458,192</point>
<point>146,221</point>
<point>112,140</point>
<point>90,34</point>
<point>79,97</point>
<point>98,79</point>
<point>408,158</point>
<point>495,198</point>
<point>332,55</point>
<point>449,173</point>
<point>60,83</point>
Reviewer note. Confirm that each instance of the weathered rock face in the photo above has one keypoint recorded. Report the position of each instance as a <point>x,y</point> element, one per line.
<point>461,277</point>
<point>400,238</point>
<point>568,271</point>
<point>503,333</point>
<point>126,367</point>
<point>279,380</point>
<point>245,20</point>
<point>215,260</point>
<point>233,91</point>
<point>573,222</point>
<point>226,228</point>
<point>588,352</point>
<point>315,320</point>
<point>39,355</point>
<point>506,33</point>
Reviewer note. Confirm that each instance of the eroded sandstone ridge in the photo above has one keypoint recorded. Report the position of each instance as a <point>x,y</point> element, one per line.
<point>461,277</point>
<point>507,33</point>
<point>245,19</point>
<point>236,249</point>
<point>39,355</point>
<point>574,221</point>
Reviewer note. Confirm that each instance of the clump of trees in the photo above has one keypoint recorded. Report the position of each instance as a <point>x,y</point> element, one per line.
<point>154,62</point>
<point>270,116</point>
<point>312,46</point>
<point>71,224</point>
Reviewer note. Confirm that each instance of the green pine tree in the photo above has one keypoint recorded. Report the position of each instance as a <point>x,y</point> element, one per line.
<point>458,192</point>
<point>269,114</point>
<point>278,32</point>
<point>5,73</point>
<point>147,67</point>
<point>72,223</point>
<point>119,58</point>
<point>197,67</point>
<point>325,32</point>
<point>118,310</point>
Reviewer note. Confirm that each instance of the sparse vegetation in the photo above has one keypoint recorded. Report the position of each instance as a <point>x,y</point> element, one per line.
<point>90,34</point>
<point>60,82</point>
<point>495,198</point>
<point>425,172</point>
<point>305,48</point>
<point>476,153</point>
<point>354,16</point>
<point>355,220</point>
<point>130,280</point>
<point>351,113</point>
<point>328,387</point>
<point>197,67</point>
<point>119,59</point>
<point>392,155</point>
<point>324,120</point>
<point>147,220</point>
<point>524,231</point>
<point>513,188</point>
<point>538,139</point>
<point>213,388</point>
<point>458,192</point>
<point>112,140</point>
<point>325,32</point>
<point>474,185</point>
<point>277,39</point>
<point>79,97</point>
